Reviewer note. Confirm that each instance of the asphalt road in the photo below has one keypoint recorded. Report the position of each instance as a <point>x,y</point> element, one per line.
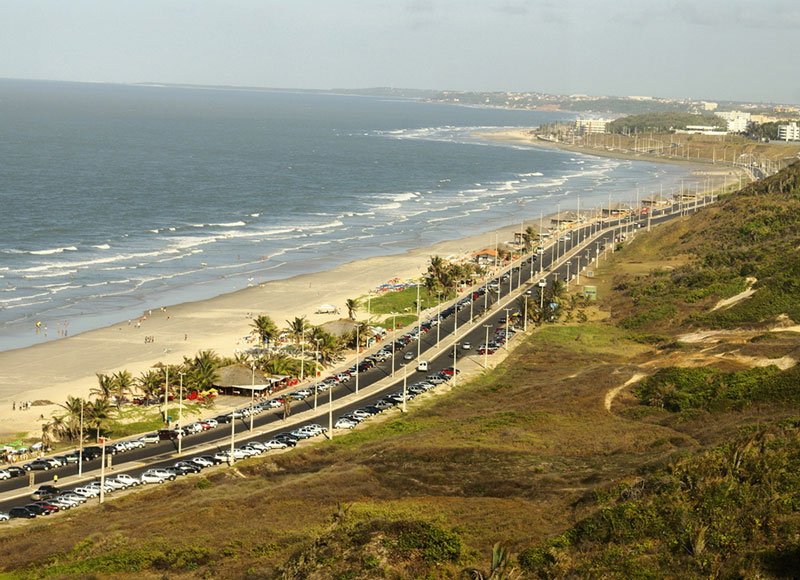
<point>16,491</point>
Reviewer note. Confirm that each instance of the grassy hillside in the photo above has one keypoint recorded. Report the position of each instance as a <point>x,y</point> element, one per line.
<point>612,449</point>
<point>753,234</point>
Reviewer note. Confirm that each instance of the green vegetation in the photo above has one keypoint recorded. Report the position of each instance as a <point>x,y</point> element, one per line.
<point>755,233</point>
<point>666,122</point>
<point>678,389</point>
<point>729,512</point>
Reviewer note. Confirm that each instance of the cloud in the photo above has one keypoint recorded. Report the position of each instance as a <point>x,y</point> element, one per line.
<point>513,8</point>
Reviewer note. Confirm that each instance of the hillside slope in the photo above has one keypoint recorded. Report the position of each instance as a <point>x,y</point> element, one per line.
<point>690,474</point>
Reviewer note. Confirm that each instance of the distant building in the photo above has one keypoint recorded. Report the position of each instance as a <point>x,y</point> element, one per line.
<point>708,105</point>
<point>737,120</point>
<point>591,125</point>
<point>485,257</point>
<point>702,130</point>
<point>789,132</point>
<point>657,200</point>
<point>616,210</point>
<point>566,219</point>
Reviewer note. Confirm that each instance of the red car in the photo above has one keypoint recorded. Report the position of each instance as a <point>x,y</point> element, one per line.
<point>450,371</point>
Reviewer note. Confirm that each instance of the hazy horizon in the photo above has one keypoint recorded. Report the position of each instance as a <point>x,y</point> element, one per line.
<point>716,50</point>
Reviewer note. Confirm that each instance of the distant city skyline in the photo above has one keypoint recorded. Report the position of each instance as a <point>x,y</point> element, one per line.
<point>735,50</point>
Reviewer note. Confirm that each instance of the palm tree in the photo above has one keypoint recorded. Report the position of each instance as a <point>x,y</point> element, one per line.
<point>150,384</point>
<point>99,415</point>
<point>123,382</point>
<point>297,328</point>
<point>279,365</point>
<point>105,387</point>
<point>352,305</point>
<point>265,329</point>
<point>203,370</point>
<point>528,236</point>
<point>71,420</point>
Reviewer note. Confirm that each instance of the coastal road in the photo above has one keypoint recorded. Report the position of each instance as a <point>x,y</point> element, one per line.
<point>522,276</point>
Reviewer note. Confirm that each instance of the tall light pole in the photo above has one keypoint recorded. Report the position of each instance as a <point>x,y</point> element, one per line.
<point>508,320</point>
<point>166,395</point>
<point>302,349</point>
<point>330,413</point>
<point>252,393</point>
<point>405,388</point>
<point>455,371</point>
<point>394,338</point>
<point>103,471</point>
<point>316,362</point>
<point>486,347</point>
<point>233,435</point>
<point>569,263</point>
<point>525,315</point>
<point>438,317</point>
<point>358,349</point>
<point>419,327</point>
<point>542,285</point>
<point>180,415</point>
<point>80,444</point>
<point>578,272</point>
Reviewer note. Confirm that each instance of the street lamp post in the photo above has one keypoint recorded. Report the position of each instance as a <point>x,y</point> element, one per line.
<point>80,444</point>
<point>525,319</point>
<point>166,395</point>
<point>578,272</point>
<point>357,352</point>
<point>569,263</point>
<point>542,286</point>
<point>316,362</point>
<point>330,413</point>
<point>405,388</point>
<point>486,347</point>
<point>180,415</point>
<point>419,328</point>
<point>233,435</point>
<point>455,371</point>
<point>252,393</point>
<point>103,471</point>
<point>508,319</point>
<point>394,338</point>
<point>438,318</point>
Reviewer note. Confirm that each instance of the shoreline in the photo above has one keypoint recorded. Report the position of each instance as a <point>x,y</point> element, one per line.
<point>524,137</point>
<point>53,370</point>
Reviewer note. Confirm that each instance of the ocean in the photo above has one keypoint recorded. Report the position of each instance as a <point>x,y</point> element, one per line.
<point>121,198</point>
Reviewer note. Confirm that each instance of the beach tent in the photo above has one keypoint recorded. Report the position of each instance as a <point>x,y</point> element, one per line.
<point>327,309</point>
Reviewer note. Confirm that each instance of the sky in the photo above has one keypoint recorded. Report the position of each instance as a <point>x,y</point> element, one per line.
<point>745,50</point>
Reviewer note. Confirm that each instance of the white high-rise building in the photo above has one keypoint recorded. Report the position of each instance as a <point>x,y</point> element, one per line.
<point>789,132</point>
<point>737,120</point>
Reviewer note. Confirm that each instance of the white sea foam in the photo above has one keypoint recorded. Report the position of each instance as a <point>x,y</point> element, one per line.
<point>229,225</point>
<point>534,174</point>
<point>53,251</point>
<point>102,247</point>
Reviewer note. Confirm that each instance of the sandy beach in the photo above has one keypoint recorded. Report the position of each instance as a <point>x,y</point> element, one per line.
<point>54,370</point>
<point>51,371</point>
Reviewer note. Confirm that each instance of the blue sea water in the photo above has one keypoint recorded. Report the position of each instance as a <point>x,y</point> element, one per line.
<point>117,199</point>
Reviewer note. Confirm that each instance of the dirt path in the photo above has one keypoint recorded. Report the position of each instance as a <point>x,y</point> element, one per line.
<point>615,391</point>
<point>740,296</point>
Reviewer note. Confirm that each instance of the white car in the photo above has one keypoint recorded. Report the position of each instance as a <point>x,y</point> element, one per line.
<point>114,483</point>
<point>74,496</point>
<point>343,423</point>
<point>212,422</point>
<point>202,462</point>
<point>3,516</point>
<point>86,491</point>
<point>256,445</point>
<point>5,474</point>
<point>127,479</point>
<point>275,444</point>
<point>151,475</point>
<point>149,438</point>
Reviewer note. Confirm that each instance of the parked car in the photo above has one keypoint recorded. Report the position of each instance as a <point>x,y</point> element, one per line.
<point>344,423</point>
<point>21,512</point>
<point>150,438</point>
<point>275,444</point>
<point>159,473</point>
<point>38,465</point>
<point>127,479</point>
<point>4,517</point>
<point>45,492</point>
<point>37,509</point>
<point>5,474</point>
